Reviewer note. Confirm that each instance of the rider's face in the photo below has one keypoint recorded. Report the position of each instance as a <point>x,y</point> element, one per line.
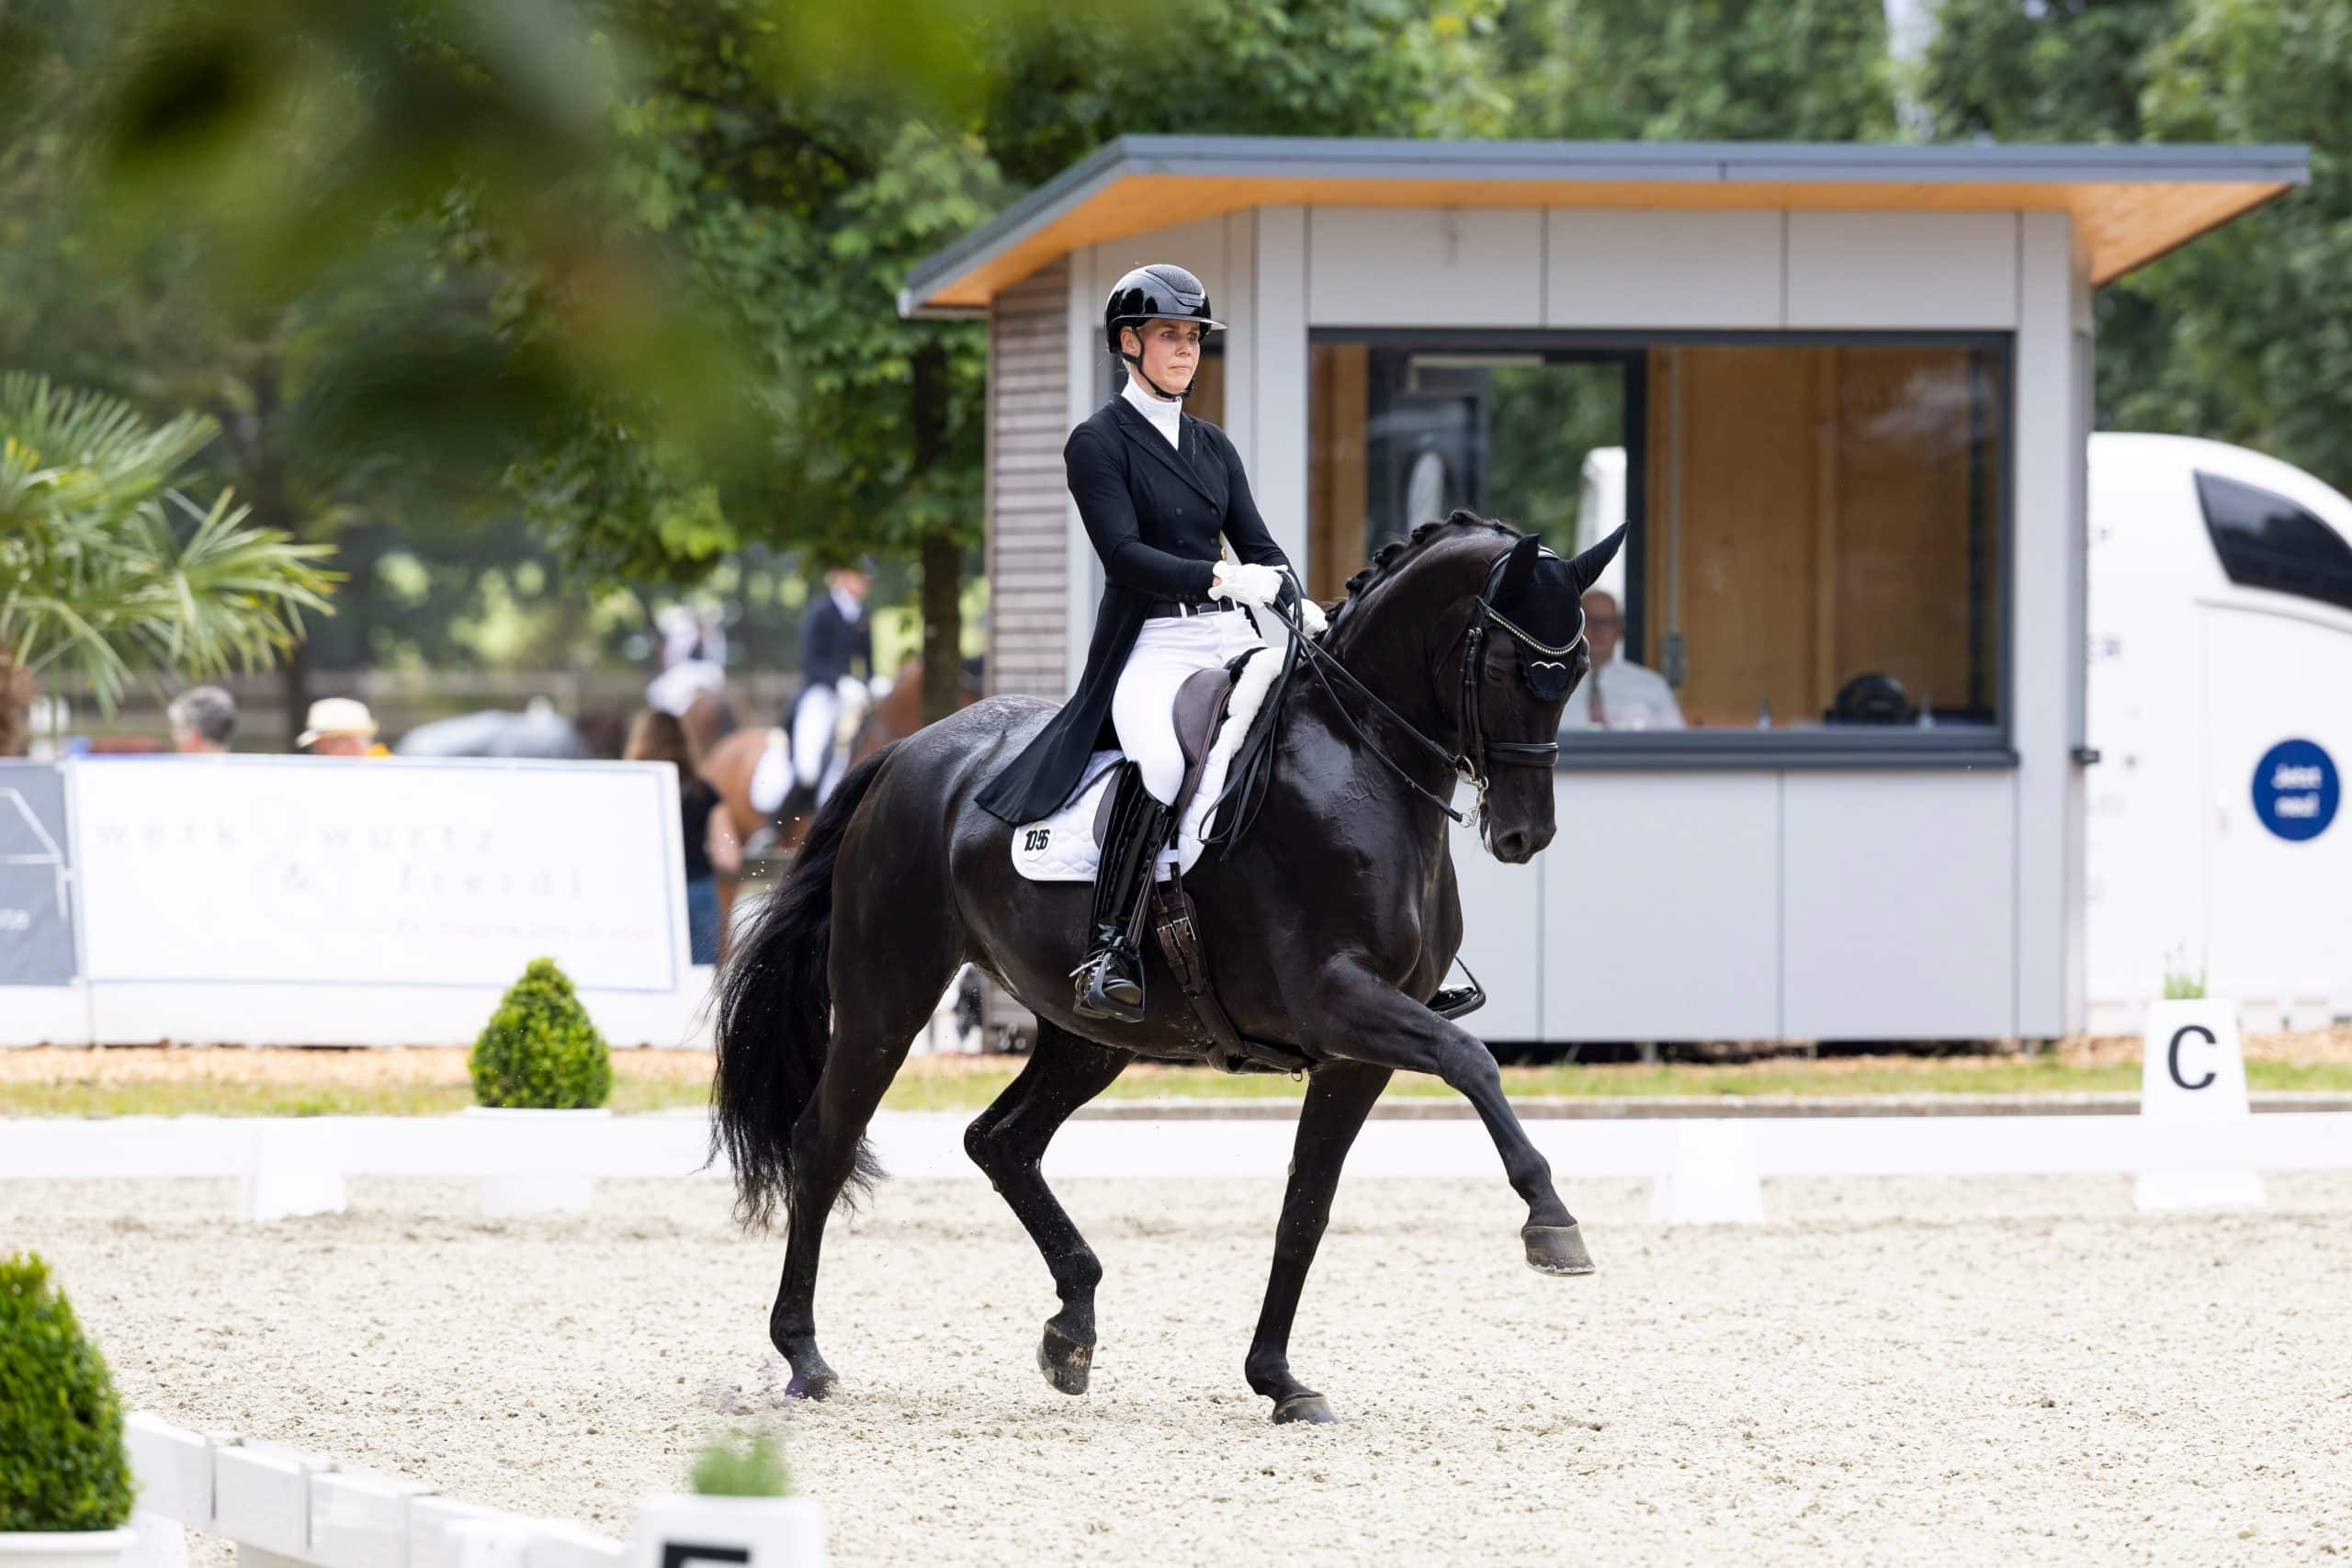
<point>1170,352</point>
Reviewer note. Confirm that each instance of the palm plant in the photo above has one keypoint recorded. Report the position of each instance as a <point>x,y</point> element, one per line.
<point>107,571</point>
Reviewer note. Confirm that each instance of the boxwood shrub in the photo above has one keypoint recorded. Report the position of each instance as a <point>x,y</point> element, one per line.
<point>541,1050</point>
<point>61,1463</point>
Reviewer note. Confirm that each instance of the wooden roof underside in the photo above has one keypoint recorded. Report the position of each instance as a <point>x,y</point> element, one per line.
<point>2121,224</point>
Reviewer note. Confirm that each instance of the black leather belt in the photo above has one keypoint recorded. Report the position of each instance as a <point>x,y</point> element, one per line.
<point>1161,607</point>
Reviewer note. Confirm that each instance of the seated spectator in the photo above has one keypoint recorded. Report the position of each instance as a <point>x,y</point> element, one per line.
<point>340,726</point>
<point>712,850</point>
<point>202,719</point>
<point>1619,694</point>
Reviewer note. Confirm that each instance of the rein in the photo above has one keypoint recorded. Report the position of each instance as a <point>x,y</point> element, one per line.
<point>1478,755</point>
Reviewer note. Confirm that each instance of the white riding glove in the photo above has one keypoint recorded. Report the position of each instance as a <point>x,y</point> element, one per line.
<point>1246,584</point>
<point>1310,616</point>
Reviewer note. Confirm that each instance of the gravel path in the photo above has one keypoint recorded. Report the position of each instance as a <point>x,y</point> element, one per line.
<point>1915,1370</point>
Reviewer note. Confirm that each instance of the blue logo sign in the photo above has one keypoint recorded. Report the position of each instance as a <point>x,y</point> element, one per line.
<point>2296,789</point>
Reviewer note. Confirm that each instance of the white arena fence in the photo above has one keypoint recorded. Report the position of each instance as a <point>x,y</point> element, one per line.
<point>1704,1168</point>
<point>283,1508</point>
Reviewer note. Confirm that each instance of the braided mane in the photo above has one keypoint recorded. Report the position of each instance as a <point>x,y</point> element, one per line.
<point>1396,554</point>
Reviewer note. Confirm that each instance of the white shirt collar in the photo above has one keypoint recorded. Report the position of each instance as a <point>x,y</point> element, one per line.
<point>1165,417</point>
<point>847,603</point>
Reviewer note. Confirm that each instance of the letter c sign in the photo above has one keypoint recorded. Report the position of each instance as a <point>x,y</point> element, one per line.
<point>2172,1055</point>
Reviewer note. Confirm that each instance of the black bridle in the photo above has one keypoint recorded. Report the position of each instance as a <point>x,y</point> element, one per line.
<point>1545,669</point>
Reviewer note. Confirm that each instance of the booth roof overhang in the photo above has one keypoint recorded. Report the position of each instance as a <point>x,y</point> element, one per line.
<point>2130,203</point>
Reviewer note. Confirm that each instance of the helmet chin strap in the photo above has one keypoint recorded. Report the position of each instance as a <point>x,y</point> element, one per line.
<point>1162,393</point>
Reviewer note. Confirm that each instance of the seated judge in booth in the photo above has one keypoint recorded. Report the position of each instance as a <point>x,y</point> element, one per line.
<point>1621,694</point>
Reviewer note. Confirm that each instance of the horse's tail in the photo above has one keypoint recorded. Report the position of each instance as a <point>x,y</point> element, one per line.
<point>775,1017</point>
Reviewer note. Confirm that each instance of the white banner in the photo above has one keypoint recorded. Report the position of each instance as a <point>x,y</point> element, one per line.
<point>308,871</point>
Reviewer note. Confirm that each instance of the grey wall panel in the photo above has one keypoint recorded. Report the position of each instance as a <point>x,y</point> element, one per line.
<point>1404,266</point>
<point>1898,906</point>
<point>1609,268</point>
<point>1901,270</point>
<point>1502,936</point>
<point>1279,347</point>
<point>2046,620</point>
<point>1661,907</point>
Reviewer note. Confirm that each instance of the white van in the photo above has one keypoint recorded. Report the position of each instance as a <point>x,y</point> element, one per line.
<point>2221,706</point>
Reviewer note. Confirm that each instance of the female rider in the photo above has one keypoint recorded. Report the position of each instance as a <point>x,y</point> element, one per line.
<point>1156,488</point>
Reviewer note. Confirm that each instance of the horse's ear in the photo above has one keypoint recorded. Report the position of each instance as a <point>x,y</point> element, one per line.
<point>1588,566</point>
<point>1518,569</point>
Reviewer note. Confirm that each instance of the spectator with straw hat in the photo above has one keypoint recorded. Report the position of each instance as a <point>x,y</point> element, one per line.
<point>339,726</point>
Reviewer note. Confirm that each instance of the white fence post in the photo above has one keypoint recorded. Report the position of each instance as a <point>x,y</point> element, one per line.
<point>1712,1180</point>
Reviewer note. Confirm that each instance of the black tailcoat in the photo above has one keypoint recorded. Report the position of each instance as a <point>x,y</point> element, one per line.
<point>830,641</point>
<point>1154,514</point>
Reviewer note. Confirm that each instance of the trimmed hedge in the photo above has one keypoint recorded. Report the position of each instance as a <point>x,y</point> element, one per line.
<point>540,1049</point>
<point>62,1461</point>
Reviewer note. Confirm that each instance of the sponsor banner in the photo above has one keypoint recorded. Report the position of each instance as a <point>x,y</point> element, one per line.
<point>36,877</point>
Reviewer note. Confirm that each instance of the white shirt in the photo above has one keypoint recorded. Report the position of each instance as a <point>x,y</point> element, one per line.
<point>1632,697</point>
<point>1165,417</point>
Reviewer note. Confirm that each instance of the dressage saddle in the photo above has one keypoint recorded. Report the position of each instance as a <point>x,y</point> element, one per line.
<point>1200,714</point>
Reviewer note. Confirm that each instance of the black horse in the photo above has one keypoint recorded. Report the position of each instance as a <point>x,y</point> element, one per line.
<point>1331,922</point>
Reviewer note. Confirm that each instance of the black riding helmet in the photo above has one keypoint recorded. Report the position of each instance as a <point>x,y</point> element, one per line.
<point>1158,292</point>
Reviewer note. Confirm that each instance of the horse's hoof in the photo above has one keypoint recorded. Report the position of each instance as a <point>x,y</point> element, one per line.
<point>1556,1249</point>
<point>817,1382</point>
<point>1064,1360</point>
<point>1311,1408</point>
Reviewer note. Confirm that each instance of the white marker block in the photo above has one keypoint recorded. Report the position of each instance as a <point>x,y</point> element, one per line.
<point>161,1541</point>
<point>261,1497</point>
<point>1713,1178</point>
<point>499,1540</point>
<point>541,1162</point>
<point>538,1194</point>
<point>293,1172</point>
<point>172,1467</point>
<point>2192,1106</point>
<point>677,1530</point>
<point>558,1545</point>
<point>359,1519</point>
<point>429,1522</point>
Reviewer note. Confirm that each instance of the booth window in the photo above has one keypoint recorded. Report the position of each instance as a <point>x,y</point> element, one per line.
<point>1816,561</point>
<point>2266,541</point>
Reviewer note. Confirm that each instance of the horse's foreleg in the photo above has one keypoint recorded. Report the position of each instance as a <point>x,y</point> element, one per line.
<point>1338,1097</point>
<point>1364,1018</point>
<point>1007,1141</point>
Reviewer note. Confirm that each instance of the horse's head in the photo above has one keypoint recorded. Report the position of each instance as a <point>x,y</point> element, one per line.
<point>1524,652</point>
<point>1498,636</point>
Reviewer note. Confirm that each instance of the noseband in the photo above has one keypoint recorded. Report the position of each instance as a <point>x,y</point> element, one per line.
<point>1545,669</point>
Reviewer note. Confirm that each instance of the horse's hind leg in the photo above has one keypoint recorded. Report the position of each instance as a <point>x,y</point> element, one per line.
<point>877,1016</point>
<point>1337,1100</point>
<point>1007,1141</point>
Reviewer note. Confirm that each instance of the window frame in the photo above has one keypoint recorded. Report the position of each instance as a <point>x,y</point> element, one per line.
<point>1728,748</point>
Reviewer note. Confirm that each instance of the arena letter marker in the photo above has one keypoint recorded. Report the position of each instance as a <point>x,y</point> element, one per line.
<point>2193,1106</point>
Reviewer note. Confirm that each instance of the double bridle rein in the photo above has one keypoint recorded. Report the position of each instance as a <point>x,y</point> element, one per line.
<point>1546,671</point>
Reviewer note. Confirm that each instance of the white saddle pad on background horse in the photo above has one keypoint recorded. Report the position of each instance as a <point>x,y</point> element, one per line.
<point>1061,848</point>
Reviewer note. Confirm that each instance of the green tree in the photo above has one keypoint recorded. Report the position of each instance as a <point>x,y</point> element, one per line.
<point>2246,335</point>
<point>1697,70</point>
<point>107,570</point>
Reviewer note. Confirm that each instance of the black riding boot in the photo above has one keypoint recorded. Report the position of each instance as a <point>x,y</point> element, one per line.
<point>1110,983</point>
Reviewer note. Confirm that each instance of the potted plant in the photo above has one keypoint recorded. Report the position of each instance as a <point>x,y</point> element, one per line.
<point>542,1068</point>
<point>741,1509</point>
<point>65,1487</point>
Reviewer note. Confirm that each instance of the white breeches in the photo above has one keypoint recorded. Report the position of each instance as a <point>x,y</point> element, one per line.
<point>1142,707</point>
<point>813,731</point>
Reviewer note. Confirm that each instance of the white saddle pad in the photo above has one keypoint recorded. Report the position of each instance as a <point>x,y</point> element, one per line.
<point>1061,848</point>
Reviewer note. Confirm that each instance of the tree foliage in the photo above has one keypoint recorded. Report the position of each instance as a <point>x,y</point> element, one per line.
<point>107,571</point>
<point>2244,335</point>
